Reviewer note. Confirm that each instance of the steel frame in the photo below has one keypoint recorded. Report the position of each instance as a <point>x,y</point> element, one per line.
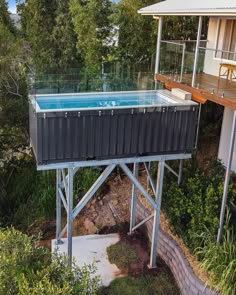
<point>64,193</point>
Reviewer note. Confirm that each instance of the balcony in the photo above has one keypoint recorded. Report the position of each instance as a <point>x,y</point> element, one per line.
<point>177,68</point>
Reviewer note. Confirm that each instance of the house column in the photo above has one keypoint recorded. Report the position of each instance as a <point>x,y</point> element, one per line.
<point>197,51</point>
<point>227,178</point>
<point>158,48</point>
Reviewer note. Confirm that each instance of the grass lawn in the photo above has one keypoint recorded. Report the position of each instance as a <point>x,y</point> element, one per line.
<point>159,284</point>
<point>131,256</point>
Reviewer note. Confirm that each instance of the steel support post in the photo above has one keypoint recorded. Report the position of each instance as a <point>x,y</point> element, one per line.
<point>197,51</point>
<point>180,171</point>
<point>158,48</point>
<point>133,200</point>
<point>70,214</point>
<point>157,211</point>
<point>138,185</point>
<point>227,178</point>
<point>198,125</point>
<point>58,206</point>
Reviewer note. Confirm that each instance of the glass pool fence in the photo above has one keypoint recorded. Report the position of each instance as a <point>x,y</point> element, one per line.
<point>75,83</point>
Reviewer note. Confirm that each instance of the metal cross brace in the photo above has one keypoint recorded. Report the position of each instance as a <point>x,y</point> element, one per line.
<point>64,193</point>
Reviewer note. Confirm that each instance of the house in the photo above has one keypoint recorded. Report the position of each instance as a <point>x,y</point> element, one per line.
<point>209,70</point>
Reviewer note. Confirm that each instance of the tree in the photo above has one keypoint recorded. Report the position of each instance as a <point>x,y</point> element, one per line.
<point>5,18</point>
<point>38,20</point>
<point>92,26</point>
<point>137,33</point>
<point>64,37</point>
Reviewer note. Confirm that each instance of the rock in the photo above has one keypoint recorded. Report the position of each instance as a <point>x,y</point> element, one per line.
<point>101,203</point>
<point>93,200</point>
<point>92,208</point>
<point>90,226</point>
<point>114,202</point>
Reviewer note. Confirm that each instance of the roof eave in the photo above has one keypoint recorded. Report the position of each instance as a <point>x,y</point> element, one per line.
<point>181,13</point>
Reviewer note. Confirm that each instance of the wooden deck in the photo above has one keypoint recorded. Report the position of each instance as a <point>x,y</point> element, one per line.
<point>206,83</point>
<point>209,82</point>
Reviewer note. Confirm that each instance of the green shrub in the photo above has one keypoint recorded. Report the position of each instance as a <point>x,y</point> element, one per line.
<point>196,203</point>
<point>28,194</point>
<point>84,179</point>
<point>220,259</point>
<point>27,268</point>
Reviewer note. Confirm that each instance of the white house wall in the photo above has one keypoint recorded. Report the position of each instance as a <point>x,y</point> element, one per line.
<point>225,139</point>
<point>211,64</point>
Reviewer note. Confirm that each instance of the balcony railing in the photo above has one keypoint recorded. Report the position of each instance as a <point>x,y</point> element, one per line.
<point>177,62</point>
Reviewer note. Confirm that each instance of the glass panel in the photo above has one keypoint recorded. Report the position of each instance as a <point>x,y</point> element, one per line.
<point>232,56</point>
<point>227,38</point>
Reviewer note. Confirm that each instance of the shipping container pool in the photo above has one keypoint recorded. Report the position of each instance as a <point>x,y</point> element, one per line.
<point>107,125</point>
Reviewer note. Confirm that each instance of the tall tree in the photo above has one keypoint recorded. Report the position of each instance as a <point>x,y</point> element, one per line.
<point>92,26</point>
<point>38,20</point>
<point>137,34</point>
<point>64,37</point>
<point>5,18</point>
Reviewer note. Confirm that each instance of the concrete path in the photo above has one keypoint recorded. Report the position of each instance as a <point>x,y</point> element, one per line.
<point>92,249</point>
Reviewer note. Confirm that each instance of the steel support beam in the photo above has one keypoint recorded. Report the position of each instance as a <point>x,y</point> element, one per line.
<point>95,163</point>
<point>133,200</point>
<point>157,211</point>
<point>142,222</point>
<point>58,207</point>
<point>197,51</point>
<point>227,179</point>
<point>198,125</point>
<point>70,214</point>
<point>171,170</point>
<point>138,185</point>
<point>149,178</point>
<point>93,189</point>
<point>180,172</point>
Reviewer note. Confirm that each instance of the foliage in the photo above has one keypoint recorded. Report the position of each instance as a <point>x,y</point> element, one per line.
<point>64,37</point>
<point>220,259</point>
<point>26,195</point>
<point>92,26</point>
<point>183,28</point>
<point>196,203</point>
<point>5,19</point>
<point>137,34</point>
<point>122,254</point>
<point>38,20</point>
<point>84,179</point>
<point>161,284</point>
<point>26,268</point>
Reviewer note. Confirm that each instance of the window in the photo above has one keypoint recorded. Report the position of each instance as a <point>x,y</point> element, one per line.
<point>226,39</point>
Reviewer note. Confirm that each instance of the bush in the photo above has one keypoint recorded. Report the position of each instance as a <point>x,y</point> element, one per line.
<point>84,179</point>
<point>27,268</point>
<point>196,203</point>
<point>220,259</point>
<point>27,195</point>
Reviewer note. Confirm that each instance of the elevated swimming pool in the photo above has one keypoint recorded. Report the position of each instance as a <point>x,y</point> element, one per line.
<point>98,126</point>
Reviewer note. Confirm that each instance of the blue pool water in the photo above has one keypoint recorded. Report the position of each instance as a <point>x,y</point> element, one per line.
<point>82,101</point>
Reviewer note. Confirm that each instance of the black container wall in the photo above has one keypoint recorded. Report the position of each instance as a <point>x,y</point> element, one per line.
<point>88,135</point>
